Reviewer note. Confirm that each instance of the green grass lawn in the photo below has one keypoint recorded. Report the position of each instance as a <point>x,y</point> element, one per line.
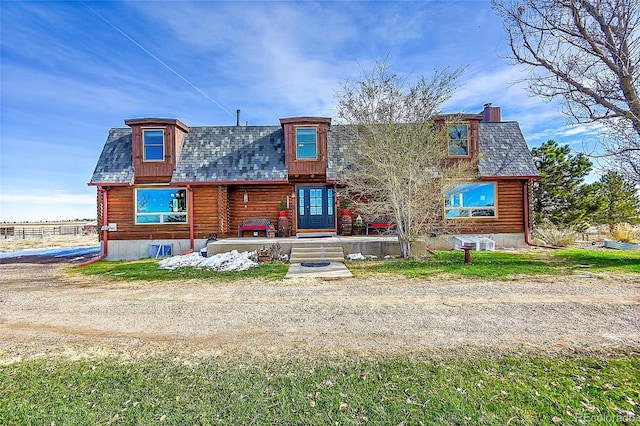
<point>486,264</point>
<point>516,390</point>
<point>148,270</point>
<point>504,265</point>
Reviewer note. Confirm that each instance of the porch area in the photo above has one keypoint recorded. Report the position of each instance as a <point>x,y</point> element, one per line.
<point>376,245</point>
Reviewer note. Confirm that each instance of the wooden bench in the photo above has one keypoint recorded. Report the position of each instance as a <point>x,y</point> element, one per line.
<point>255,224</point>
<point>380,223</point>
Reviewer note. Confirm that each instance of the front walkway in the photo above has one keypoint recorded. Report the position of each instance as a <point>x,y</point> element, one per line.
<point>333,270</point>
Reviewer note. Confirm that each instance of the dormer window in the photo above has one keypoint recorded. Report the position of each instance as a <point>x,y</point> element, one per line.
<point>458,140</point>
<point>153,144</point>
<point>306,143</point>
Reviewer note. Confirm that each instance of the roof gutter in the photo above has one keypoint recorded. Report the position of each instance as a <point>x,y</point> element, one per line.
<point>105,231</point>
<point>190,204</point>
<point>100,184</point>
<point>510,177</point>
<point>229,182</point>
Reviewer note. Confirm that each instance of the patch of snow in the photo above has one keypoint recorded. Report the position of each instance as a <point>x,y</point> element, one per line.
<point>355,256</point>
<point>230,261</point>
<point>360,256</point>
<point>52,251</point>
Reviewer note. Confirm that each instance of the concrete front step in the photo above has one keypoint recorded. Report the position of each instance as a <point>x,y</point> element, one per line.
<point>316,254</point>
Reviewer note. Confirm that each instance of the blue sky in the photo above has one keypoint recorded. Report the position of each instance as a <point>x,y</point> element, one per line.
<point>72,70</point>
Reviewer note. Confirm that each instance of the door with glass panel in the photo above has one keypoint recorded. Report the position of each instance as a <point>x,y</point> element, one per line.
<point>316,207</point>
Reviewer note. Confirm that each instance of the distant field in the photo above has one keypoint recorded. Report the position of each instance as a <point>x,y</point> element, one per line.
<point>27,235</point>
<point>51,223</point>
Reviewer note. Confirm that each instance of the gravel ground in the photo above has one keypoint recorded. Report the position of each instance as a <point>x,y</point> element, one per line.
<point>44,311</point>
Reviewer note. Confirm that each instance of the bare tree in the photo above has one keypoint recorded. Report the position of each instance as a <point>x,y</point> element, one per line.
<point>586,53</point>
<point>397,158</point>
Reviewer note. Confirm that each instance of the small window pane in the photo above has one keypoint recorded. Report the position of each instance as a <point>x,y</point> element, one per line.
<point>153,142</point>
<point>454,213</point>
<point>153,153</point>
<point>306,147</point>
<point>148,219</point>
<point>483,213</point>
<point>176,218</point>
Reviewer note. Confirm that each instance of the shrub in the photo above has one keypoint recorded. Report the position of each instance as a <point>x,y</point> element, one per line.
<point>553,235</point>
<point>624,233</point>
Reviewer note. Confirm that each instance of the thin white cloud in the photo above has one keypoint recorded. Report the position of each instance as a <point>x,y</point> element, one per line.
<point>53,197</point>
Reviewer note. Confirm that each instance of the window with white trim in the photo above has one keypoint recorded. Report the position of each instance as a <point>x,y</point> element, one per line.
<point>458,140</point>
<point>153,145</point>
<point>471,200</point>
<point>306,143</point>
<point>161,205</point>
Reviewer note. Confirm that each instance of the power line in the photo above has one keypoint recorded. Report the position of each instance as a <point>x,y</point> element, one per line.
<point>157,59</point>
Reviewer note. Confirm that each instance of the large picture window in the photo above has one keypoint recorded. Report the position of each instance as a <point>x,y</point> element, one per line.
<point>471,200</point>
<point>306,144</point>
<point>459,140</point>
<point>153,144</point>
<point>166,205</point>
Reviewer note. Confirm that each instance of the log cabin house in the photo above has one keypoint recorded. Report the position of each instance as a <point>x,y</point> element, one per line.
<point>160,182</point>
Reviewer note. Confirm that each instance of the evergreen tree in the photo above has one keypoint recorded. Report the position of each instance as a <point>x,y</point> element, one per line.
<point>559,195</point>
<point>621,201</point>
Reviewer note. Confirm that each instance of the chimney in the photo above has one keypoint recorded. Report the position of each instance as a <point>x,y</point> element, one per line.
<point>237,118</point>
<point>491,113</point>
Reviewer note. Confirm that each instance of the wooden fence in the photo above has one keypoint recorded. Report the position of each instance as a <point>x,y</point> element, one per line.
<point>24,232</point>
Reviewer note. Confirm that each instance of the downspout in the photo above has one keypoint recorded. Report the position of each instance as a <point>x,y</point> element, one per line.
<point>190,207</point>
<point>527,236</point>
<point>105,232</point>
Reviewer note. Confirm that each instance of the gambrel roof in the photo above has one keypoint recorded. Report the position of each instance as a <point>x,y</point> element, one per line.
<point>228,154</point>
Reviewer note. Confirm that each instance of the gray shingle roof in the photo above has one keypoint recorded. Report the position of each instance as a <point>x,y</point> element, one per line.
<point>256,153</point>
<point>115,164</point>
<point>504,151</point>
<point>338,144</point>
<point>232,153</point>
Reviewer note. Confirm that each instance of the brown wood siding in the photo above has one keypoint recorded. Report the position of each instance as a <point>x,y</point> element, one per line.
<point>305,167</point>
<point>510,212</point>
<point>474,135</point>
<point>153,171</point>
<point>263,202</point>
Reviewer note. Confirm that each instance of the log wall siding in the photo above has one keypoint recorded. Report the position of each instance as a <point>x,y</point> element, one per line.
<point>220,209</point>
<point>510,212</point>
<point>263,202</point>
<point>205,211</point>
<point>121,210</point>
<point>223,210</point>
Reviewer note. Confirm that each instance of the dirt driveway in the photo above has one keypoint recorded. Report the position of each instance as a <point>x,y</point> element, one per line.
<point>45,311</point>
